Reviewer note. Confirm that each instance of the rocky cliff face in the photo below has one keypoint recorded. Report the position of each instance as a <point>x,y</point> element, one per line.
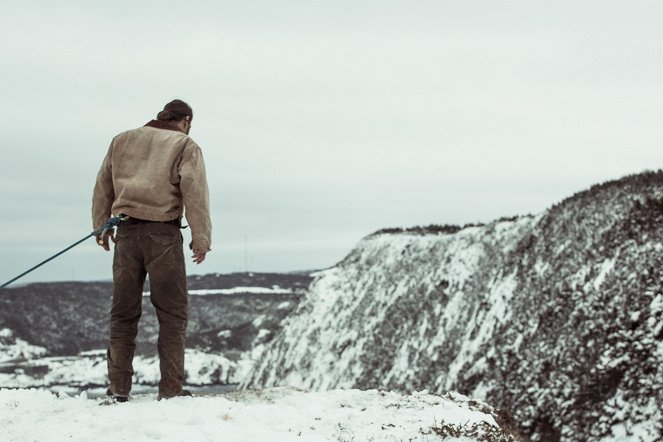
<point>556,318</point>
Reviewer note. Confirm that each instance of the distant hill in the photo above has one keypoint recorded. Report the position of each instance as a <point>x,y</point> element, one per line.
<point>557,317</point>
<point>71,317</point>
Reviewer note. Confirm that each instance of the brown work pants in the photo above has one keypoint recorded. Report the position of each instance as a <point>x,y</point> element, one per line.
<point>153,249</point>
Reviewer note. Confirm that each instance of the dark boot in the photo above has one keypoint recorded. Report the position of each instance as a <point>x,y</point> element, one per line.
<point>112,398</point>
<point>183,393</point>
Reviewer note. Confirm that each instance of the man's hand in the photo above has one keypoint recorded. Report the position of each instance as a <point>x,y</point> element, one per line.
<point>198,256</point>
<point>103,242</point>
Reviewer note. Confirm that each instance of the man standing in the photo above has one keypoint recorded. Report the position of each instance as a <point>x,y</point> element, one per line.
<point>149,176</point>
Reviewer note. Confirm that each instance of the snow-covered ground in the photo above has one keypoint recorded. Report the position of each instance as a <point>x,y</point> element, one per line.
<point>275,414</point>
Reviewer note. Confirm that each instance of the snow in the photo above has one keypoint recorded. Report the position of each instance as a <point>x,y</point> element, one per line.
<point>89,368</point>
<point>276,414</point>
<point>263,333</point>
<point>225,334</point>
<point>284,305</point>
<point>624,432</point>
<point>258,321</point>
<point>276,290</point>
<point>499,296</point>
<point>605,269</point>
<point>12,348</point>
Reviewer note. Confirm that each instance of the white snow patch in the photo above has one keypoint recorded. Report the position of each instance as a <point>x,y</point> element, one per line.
<point>258,321</point>
<point>98,352</point>
<point>263,333</point>
<point>606,268</point>
<point>238,290</point>
<point>225,334</point>
<point>12,348</point>
<point>623,432</point>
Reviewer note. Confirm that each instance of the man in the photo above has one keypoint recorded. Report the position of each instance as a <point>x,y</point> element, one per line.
<point>149,176</point>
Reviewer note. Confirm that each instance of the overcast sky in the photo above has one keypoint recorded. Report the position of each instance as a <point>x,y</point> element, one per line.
<point>323,121</point>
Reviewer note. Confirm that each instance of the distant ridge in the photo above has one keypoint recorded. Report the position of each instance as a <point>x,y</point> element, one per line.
<point>71,317</point>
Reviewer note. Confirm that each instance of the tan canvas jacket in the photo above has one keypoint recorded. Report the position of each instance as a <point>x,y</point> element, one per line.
<point>154,173</point>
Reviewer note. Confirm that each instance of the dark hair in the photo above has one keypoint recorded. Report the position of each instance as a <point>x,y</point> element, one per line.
<point>176,110</point>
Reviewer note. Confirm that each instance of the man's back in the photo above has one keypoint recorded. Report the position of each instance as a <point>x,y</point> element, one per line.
<point>152,173</point>
<point>144,164</point>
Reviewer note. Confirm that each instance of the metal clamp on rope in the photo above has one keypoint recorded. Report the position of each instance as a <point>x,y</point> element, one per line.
<point>109,224</point>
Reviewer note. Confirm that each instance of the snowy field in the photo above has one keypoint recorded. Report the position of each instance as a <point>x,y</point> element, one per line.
<point>89,369</point>
<point>23,365</point>
<point>275,414</point>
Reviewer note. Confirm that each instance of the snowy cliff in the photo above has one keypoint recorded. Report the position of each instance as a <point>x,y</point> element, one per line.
<point>555,318</point>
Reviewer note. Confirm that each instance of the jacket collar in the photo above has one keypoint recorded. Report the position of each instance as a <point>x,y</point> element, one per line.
<point>158,124</point>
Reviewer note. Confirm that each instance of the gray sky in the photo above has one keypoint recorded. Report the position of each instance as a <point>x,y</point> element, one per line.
<point>322,122</point>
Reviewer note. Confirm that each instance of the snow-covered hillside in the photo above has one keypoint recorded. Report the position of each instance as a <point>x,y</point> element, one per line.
<point>279,414</point>
<point>557,318</point>
<point>404,301</point>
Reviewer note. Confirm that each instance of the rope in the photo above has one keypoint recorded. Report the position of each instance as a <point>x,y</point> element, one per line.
<point>101,231</point>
